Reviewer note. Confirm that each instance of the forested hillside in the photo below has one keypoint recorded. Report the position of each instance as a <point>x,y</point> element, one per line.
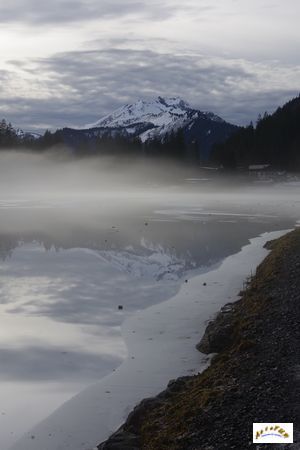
<point>274,140</point>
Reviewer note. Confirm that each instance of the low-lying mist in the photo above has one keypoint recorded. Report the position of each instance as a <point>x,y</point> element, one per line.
<point>79,236</point>
<point>122,183</point>
<point>56,174</point>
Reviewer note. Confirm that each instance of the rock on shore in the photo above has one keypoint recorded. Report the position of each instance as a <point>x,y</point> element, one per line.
<point>253,378</point>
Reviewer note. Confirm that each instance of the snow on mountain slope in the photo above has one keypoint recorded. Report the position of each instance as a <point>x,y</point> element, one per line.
<point>6,127</point>
<point>27,134</point>
<point>158,112</point>
<point>162,115</point>
<point>156,120</point>
<point>151,261</point>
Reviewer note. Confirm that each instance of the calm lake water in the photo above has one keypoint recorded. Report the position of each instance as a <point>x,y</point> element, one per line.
<point>73,270</point>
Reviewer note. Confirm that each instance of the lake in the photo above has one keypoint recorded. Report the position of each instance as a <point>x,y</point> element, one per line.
<point>73,269</point>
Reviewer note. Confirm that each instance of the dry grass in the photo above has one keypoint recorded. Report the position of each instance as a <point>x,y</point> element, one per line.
<point>165,423</point>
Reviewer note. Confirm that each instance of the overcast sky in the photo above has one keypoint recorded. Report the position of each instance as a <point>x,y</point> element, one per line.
<point>69,62</point>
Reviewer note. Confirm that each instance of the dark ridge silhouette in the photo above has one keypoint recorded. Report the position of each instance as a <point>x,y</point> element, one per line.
<point>274,140</point>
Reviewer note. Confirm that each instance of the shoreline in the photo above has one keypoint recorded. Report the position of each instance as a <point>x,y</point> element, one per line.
<point>253,377</point>
<point>161,342</point>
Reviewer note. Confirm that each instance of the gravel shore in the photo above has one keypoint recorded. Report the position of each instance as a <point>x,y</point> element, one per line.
<point>254,376</point>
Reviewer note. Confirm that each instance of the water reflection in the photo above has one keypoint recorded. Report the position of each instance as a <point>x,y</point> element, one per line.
<point>65,271</point>
<point>37,364</point>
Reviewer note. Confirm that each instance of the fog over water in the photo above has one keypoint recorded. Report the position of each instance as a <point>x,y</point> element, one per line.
<point>80,238</point>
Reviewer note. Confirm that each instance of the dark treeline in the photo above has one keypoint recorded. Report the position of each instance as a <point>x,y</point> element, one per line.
<point>274,140</point>
<point>8,135</point>
<point>83,145</point>
<point>172,145</point>
<point>10,139</point>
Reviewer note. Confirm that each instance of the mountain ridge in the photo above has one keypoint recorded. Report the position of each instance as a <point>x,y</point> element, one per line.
<point>9,133</point>
<point>157,126</point>
<point>167,127</point>
<point>160,116</point>
<point>274,140</point>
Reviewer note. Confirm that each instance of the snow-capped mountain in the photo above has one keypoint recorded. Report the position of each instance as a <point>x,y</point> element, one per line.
<point>7,128</point>
<point>160,116</point>
<point>27,134</point>
<point>149,260</point>
<point>155,121</point>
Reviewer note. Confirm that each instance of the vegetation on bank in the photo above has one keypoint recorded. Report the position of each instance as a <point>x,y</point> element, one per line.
<point>251,379</point>
<point>274,140</point>
<point>80,145</point>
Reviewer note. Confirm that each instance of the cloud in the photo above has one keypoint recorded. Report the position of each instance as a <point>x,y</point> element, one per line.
<point>54,363</point>
<point>34,12</point>
<point>57,11</point>
<point>78,87</point>
<point>135,55</point>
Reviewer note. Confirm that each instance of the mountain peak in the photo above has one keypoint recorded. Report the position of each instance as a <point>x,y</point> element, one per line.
<point>158,120</point>
<point>158,112</point>
<point>151,119</point>
<point>174,101</point>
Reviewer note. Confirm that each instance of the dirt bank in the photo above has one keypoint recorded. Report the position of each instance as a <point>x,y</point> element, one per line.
<point>253,378</point>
